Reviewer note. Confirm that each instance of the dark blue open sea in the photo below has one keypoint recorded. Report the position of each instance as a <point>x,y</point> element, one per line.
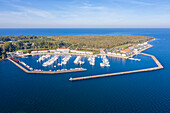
<point>146,92</point>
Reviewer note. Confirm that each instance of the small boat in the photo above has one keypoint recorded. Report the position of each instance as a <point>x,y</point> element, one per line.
<point>107,65</point>
<point>59,64</point>
<point>55,66</point>
<point>102,64</point>
<point>44,65</point>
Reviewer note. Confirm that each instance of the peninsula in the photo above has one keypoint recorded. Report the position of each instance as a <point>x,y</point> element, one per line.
<point>89,43</point>
<point>91,46</point>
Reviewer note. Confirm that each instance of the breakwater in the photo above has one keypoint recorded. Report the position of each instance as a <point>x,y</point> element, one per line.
<point>126,72</point>
<point>25,70</point>
<point>46,72</point>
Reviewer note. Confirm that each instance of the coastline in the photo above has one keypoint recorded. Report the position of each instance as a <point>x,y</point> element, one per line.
<point>126,72</point>
<point>94,76</point>
<point>85,54</point>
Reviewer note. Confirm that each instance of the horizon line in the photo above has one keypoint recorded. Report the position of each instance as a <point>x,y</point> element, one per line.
<point>94,28</point>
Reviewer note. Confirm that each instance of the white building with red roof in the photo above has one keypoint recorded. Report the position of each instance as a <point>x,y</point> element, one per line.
<point>127,52</point>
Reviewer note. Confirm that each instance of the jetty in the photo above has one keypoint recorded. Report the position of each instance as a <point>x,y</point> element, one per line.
<point>126,72</point>
<point>16,63</point>
<point>46,72</point>
<point>134,59</point>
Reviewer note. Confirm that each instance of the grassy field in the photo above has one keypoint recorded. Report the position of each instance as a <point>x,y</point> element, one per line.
<point>125,46</point>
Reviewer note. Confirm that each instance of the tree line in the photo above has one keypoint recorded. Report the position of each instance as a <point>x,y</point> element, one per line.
<point>29,43</point>
<point>20,37</point>
<point>101,41</point>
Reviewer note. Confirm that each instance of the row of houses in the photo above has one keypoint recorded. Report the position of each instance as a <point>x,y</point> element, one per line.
<point>141,47</point>
<point>81,52</point>
<point>33,52</point>
<point>125,52</point>
<point>102,51</point>
<point>62,50</point>
<point>59,50</point>
<point>143,44</point>
<point>19,53</point>
<point>43,51</point>
<point>130,50</point>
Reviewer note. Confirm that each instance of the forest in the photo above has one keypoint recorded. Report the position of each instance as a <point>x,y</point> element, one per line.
<point>101,41</point>
<point>28,43</point>
<point>20,37</point>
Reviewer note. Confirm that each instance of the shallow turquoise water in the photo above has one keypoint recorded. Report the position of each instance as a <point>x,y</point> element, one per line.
<point>138,92</point>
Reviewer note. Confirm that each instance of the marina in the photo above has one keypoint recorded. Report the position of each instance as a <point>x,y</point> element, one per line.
<point>120,73</point>
<point>50,61</point>
<point>105,62</point>
<point>136,92</point>
<point>91,60</point>
<point>77,60</point>
<point>52,64</point>
<point>42,58</point>
<point>64,60</point>
<point>57,67</point>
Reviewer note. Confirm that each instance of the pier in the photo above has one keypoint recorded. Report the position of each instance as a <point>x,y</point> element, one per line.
<point>57,72</point>
<point>134,59</point>
<point>46,72</point>
<point>25,70</point>
<point>126,72</point>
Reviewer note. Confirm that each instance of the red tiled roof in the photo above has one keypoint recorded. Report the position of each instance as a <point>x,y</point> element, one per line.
<point>101,49</point>
<point>127,50</point>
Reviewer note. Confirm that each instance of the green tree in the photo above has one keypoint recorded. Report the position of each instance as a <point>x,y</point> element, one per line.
<point>1,52</point>
<point>8,47</point>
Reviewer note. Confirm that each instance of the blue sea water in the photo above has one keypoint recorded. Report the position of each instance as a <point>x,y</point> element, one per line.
<point>137,92</point>
<point>116,64</point>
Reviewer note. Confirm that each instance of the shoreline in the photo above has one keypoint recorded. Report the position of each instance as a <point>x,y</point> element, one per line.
<point>124,57</point>
<point>87,54</point>
<point>94,76</point>
<point>159,66</point>
<point>126,72</point>
<point>150,46</point>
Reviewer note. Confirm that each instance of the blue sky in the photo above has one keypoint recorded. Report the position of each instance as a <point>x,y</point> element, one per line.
<point>85,14</point>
